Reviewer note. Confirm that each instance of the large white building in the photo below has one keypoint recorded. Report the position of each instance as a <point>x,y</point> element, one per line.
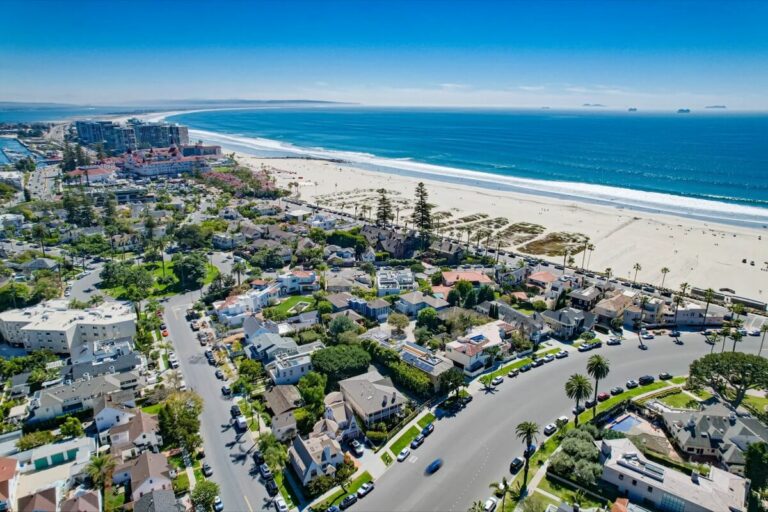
<point>54,326</point>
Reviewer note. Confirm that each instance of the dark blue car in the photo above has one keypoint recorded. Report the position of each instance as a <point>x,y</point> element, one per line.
<point>434,466</point>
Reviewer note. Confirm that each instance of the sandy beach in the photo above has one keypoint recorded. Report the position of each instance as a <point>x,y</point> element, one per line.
<point>699,253</point>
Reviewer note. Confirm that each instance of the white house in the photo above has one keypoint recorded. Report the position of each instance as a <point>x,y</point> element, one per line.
<point>317,455</point>
<point>298,281</point>
<point>108,412</point>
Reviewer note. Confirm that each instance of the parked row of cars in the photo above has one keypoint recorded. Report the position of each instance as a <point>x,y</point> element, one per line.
<point>417,441</point>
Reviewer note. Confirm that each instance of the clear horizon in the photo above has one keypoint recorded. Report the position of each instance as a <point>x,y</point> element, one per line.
<point>654,56</point>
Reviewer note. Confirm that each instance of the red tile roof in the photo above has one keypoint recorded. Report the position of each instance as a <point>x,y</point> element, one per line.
<point>543,277</point>
<point>449,278</point>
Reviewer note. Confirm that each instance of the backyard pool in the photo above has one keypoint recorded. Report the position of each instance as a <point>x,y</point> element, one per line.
<point>625,424</point>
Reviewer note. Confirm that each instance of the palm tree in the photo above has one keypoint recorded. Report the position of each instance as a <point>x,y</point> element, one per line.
<point>763,329</point>
<point>636,267</point>
<point>664,272</point>
<point>578,388</point>
<point>502,488</point>
<point>725,332</point>
<point>590,248</point>
<point>477,506</point>
<point>677,301</point>
<point>684,288</point>
<point>598,368</point>
<point>584,253</point>
<point>239,268</point>
<point>565,260</point>
<point>39,231</point>
<point>736,337</point>
<point>709,294</point>
<point>100,469</point>
<point>608,272</point>
<point>738,310</point>
<point>527,431</point>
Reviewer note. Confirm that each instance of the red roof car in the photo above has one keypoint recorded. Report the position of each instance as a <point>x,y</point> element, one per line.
<point>603,396</point>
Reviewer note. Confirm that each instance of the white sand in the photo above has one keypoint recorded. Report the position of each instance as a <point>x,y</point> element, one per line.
<point>701,254</point>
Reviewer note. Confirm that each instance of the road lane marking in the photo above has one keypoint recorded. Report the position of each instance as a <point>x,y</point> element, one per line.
<point>248,503</point>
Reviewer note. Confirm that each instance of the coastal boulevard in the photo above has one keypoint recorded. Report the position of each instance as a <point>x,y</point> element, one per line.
<point>479,442</point>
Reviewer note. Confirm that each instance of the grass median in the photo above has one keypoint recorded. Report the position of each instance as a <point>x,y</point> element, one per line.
<point>426,420</point>
<point>404,440</point>
<point>339,495</point>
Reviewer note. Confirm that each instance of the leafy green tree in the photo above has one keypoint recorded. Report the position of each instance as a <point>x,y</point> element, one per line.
<point>204,494</point>
<point>757,471</point>
<point>312,389</point>
<point>190,269</point>
<point>40,233</point>
<point>72,427</point>
<point>341,361</point>
<point>527,432</point>
<point>422,214</point>
<point>179,420</point>
<point>451,381</point>
<point>34,439</point>
<point>731,374</point>
<point>578,388</point>
<point>250,370</point>
<point>341,324</point>
<point>383,208</point>
<point>398,321</point>
<point>274,453</point>
<point>598,368</point>
<point>193,236</point>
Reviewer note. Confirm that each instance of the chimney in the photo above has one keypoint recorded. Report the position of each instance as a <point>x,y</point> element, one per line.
<point>605,448</point>
<point>394,396</point>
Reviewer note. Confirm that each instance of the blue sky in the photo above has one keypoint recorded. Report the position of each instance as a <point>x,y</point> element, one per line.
<point>420,52</point>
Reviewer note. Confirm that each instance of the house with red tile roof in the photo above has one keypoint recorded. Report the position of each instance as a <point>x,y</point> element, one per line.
<point>9,478</point>
<point>476,278</point>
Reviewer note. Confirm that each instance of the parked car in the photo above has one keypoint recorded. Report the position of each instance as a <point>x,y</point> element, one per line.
<point>674,334</point>
<point>280,504</point>
<point>603,396</point>
<point>562,354</point>
<point>549,358</point>
<point>525,367</point>
<point>498,380</point>
<point>632,383</point>
<point>590,403</point>
<point>585,347</point>
<point>530,450</point>
<point>234,411</point>
<point>271,487</point>
<point>434,466</point>
<point>258,458</point>
<point>218,505</point>
<point>347,502</point>
<point>537,362</point>
<point>578,409</point>
<point>219,374</point>
<point>614,340</point>
<point>207,470</point>
<point>562,420</point>
<point>754,332</point>
<point>265,472</point>
<point>404,453</point>
<point>646,379</point>
<point>226,390</point>
<point>516,465</point>
<point>364,489</point>
<point>428,429</point>
<point>647,336</point>
<point>550,429</point>
<point>417,441</point>
<point>489,505</point>
<point>617,390</point>
<point>665,376</point>
<point>357,448</point>
<point>513,373</point>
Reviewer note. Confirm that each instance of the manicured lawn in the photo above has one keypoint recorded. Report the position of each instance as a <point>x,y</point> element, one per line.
<point>565,492</point>
<point>502,372</point>
<point>628,394</point>
<point>291,301</point>
<point>702,393</point>
<point>426,420</point>
<point>164,290</point>
<point>759,403</point>
<point>286,490</point>
<point>547,352</point>
<point>678,380</point>
<point>114,500</point>
<point>386,458</point>
<point>525,311</point>
<point>680,401</point>
<point>199,476</point>
<point>152,409</point>
<point>404,440</point>
<point>352,488</point>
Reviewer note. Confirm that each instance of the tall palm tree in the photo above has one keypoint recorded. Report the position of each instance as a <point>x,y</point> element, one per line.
<point>502,488</point>
<point>608,272</point>
<point>636,267</point>
<point>677,301</point>
<point>684,288</point>
<point>725,332</point>
<point>40,232</point>
<point>477,506</point>
<point>598,368</point>
<point>590,248</point>
<point>736,337</point>
<point>738,310</point>
<point>709,294</point>
<point>239,268</point>
<point>664,272</point>
<point>100,469</point>
<point>527,431</point>
<point>584,253</point>
<point>578,388</point>
<point>763,329</point>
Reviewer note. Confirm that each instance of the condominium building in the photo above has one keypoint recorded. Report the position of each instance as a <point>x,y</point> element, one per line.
<point>54,326</point>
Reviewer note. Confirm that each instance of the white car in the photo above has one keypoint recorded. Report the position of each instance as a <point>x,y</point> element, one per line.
<point>562,420</point>
<point>647,336</point>
<point>550,429</point>
<point>404,453</point>
<point>497,381</point>
<point>489,505</point>
<point>280,504</point>
<point>218,505</point>
<point>754,332</point>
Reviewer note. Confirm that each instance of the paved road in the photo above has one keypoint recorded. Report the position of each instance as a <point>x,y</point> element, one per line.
<point>478,443</point>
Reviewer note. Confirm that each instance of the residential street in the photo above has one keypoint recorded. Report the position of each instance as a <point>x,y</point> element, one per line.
<point>478,444</point>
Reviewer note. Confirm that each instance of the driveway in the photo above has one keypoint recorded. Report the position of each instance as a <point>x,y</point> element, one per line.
<point>479,442</point>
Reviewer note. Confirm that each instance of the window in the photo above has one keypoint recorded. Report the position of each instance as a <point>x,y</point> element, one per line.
<point>650,489</point>
<point>634,482</point>
<point>621,477</point>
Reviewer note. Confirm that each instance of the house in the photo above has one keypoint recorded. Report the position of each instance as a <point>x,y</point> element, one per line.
<point>445,248</point>
<point>46,500</point>
<point>477,279</point>
<point>233,310</point>
<point>636,478</point>
<point>322,221</point>
<point>9,479</point>
<point>400,245</point>
<point>254,326</point>
<point>266,347</point>
<point>87,501</point>
<point>568,323</point>
<point>613,307</point>
<point>411,303</point>
<point>372,397</point>
<point>78,396</point>
<point>284,426</point>
<point>472,351</point>
<point>158,501</point>
<point>40,264</point>
<point>109,411</point>
<point>419,357</point>
<point>283,398</point>
<point>317,455</point>
<point>289,368</point>
<point>336,255</point>
<point>138,434</point>
<point>368,256</point>
<point>586,298</point>
<point>125,242</point>
<point>352,315</point>
<point>651,313</point>
<point>376,309</point>
<point>532,327</point>
<point>299,322</point>
<point>716,432</point>
<point>338,411</point>
<point>393,281</point>
<point>337,284</point>
<point>513,277</point>
<point>75,451</point>
<point>298,281</point>
<point>297,214</point>
<point>227,241</point>
<point>691,314</point>
<point>542,280</point>
<point>340,301</point>
<point>147,473</point>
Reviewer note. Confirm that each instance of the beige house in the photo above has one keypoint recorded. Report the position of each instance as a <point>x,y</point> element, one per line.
<point>317,455</point>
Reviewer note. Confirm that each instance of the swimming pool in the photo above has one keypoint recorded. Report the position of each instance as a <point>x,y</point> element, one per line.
<point>625,424</point>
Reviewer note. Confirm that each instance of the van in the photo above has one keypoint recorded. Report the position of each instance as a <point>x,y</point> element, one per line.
<point>182,385</point>
<point>240,423</point>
